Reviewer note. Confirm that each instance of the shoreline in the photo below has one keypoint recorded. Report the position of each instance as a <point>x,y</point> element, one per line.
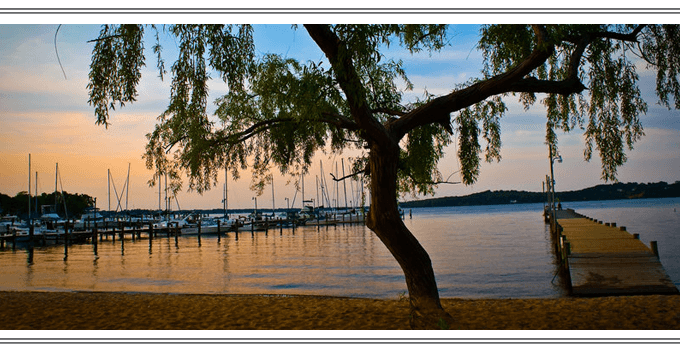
<point>40,310</point>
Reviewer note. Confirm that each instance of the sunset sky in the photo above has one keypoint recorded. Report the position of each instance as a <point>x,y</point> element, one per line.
<point>46,114</point>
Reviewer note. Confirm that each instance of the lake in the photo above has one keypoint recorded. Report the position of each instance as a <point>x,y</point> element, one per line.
<point>499,251</point>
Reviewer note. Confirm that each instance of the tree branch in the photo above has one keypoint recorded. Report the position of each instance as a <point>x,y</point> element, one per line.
<point>340,121</point>
<point>585,40</point>
<point>432,182</point>
<point>564,87</point>
<point>439,109</point>
<point>364,171</point>
<point>105,38</point>
<point>231,139</point>
<point>340,59</point>
<point>632,36</point>
<point>388,111</point>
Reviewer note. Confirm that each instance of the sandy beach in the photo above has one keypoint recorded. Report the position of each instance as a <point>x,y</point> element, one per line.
<point>146,311</point>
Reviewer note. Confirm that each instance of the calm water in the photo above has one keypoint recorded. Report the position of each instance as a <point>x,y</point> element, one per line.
<point>479,252</point>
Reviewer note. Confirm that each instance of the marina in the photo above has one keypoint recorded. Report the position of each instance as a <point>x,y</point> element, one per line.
<point>42,233</point>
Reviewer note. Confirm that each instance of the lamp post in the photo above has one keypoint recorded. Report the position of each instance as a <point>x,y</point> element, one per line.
<point>552,179</point>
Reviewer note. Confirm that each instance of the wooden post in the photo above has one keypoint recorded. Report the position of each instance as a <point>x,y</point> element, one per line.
<point>31,232</point>
<point>199,232</point>
<point>150,233</point>
<point>94,234</point>
<point>176,234</point>
<point>280,226</point>
<point>94,238</point>
<point>113,235</point>
<point>219,234</point>
<point>266,225</point>
<point>14,239</point>
<point>655,248</point>
<point>2,241</point>
<point>66,226</point>
<point>43,238</point>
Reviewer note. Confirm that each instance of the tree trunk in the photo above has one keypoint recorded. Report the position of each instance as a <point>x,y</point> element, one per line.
<point>385,221</point>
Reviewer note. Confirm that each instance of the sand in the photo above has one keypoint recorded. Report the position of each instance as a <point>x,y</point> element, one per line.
<point>146,311</point>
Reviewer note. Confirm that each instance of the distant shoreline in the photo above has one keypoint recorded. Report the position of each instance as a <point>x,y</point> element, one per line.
<point>499,197</point>
<point>619,191</point>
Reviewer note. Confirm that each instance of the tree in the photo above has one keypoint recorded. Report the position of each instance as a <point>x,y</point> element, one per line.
<point>279,111</point>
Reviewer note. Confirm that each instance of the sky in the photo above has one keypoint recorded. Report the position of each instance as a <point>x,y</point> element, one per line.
<point>44,113</point>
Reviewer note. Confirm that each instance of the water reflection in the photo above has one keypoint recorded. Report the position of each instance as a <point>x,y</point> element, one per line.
<point>484,252</point>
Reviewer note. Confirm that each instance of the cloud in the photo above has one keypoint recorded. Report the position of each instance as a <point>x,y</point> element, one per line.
<point>43,114</point>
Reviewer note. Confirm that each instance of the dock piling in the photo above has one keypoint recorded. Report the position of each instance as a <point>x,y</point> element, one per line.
<point>655,248</point>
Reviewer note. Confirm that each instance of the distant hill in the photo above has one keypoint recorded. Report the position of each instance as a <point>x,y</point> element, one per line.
<point>631,190</point>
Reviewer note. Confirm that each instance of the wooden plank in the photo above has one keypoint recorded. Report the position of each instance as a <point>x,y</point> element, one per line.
<point>605,260</point>
<point>609,274</point>
<point>586,236</point>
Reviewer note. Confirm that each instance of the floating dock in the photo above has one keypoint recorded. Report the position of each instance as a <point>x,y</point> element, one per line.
<point>602,259</point>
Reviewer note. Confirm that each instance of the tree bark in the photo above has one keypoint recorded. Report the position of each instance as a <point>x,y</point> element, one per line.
<point>385,221</point>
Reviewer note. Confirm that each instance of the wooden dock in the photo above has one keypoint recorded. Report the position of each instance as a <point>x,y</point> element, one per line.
<point>602,259</point>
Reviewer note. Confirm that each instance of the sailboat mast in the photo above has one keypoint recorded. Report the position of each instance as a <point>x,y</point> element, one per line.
<point>36,192</point>
<point>127,188</point>
<point>273,202</point>
<point>224,197</point>
<point>344,185</point>
<point>63,198</point>
<point>29,186</point>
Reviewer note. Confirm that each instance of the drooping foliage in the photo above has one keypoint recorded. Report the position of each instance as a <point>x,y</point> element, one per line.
<point>602,59</point>
<point>280,111</point>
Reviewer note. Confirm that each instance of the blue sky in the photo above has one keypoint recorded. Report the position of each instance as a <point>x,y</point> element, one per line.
<point>44,114</point>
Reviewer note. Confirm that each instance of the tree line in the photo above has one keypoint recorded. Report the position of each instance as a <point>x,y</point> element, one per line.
<point>615,191</point>
<point>18,205</point>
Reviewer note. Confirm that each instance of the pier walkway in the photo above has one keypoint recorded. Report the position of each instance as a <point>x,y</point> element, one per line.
<point>602,259</point>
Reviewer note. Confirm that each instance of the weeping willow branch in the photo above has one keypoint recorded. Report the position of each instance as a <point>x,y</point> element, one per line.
<point>57,51</point>
<point>447,182</point>
<point>365,171</point>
